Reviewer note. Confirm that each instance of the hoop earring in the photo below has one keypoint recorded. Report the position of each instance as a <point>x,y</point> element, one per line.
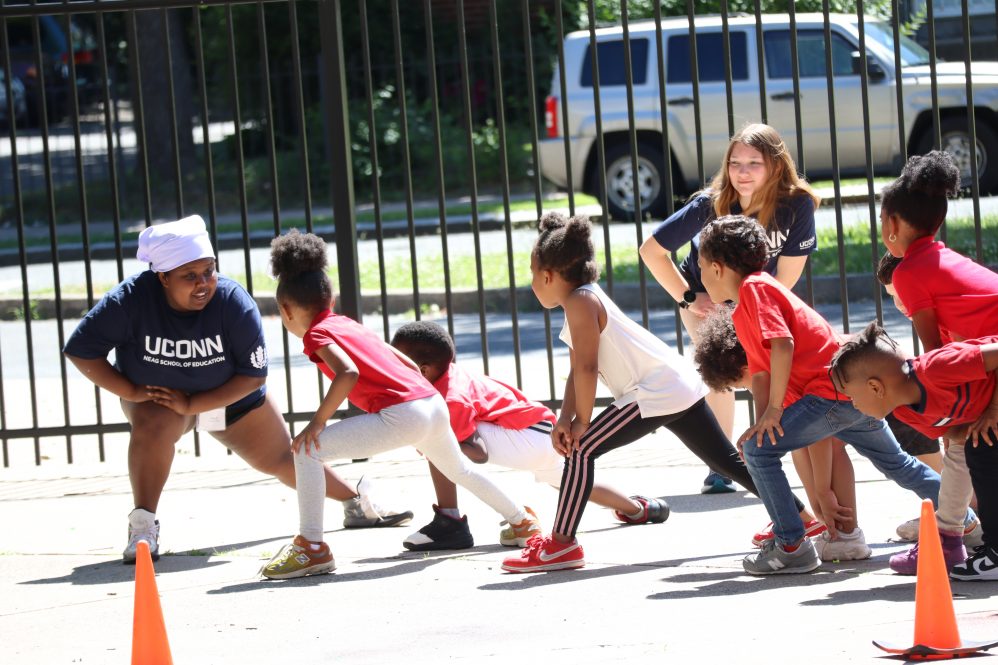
<point>892,237</point>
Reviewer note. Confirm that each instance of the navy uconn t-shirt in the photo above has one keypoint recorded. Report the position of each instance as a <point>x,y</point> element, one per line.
<point>158,346</point>
<point>792,235</point>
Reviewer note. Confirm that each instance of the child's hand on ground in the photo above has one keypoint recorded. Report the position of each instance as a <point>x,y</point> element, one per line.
<point>308,437</point>
<point>769,424</point>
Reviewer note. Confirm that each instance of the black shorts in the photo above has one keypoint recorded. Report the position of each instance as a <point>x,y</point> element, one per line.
<point>234,413</point>
<point>912,441</point>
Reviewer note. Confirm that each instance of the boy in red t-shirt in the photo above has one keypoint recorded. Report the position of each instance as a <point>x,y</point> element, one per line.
<point>494,422</point>
<point>788,346</point>
<point>942,392</point>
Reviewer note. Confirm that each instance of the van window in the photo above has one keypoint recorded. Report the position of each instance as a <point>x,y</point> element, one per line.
<point>810,54</point>
<point>611,63</point>
<point>710,58</point>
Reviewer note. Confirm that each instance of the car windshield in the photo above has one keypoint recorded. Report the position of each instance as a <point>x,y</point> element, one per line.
<point>911,52</point>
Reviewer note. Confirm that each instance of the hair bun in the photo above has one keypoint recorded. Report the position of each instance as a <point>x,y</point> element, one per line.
<point>296,253</point>
<point>578,228</point>
<point>934,174</point>
<point>552,221</point>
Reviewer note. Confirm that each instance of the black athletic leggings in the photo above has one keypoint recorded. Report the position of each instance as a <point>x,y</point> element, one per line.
<point>982,461</point>
<point>614,428</point>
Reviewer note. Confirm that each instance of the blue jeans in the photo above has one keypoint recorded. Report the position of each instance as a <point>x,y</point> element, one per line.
<point>809,420</point>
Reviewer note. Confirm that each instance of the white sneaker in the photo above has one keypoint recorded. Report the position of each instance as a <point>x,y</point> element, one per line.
<point>362,511</point>
<point>846,547</point>
<point>908,531</point>
<point>142,525</point>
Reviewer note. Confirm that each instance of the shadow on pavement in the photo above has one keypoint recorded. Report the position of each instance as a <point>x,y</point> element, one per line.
<point>703,503</point>
<point>531,580</point>
<point>404,568</point>
<point>107,572</point>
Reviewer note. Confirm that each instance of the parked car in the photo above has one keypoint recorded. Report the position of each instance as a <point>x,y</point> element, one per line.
<point>780,104</point>
<point>17,94</point>
<point>55,54</point>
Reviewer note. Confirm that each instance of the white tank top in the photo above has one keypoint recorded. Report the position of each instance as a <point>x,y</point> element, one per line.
<point>637,366</point>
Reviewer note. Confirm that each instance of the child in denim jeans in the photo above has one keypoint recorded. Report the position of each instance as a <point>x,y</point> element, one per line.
<point>942,392</point>
<point>789,346</point>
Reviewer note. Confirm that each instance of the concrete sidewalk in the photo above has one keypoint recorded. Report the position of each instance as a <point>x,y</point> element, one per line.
<point>673,592</point>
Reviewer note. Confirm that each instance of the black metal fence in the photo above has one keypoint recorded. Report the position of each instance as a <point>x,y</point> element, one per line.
<point>423,139</point>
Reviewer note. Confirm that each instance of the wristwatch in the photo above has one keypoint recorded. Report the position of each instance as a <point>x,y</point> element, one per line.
<point>689,297</point>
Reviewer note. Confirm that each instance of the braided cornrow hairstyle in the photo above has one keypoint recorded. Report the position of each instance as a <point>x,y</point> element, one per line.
<point>872,342</point>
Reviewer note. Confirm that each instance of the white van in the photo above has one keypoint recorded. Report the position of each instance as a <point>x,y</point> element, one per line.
<point>779,98</point>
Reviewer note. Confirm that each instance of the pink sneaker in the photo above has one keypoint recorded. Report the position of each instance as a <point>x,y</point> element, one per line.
<point>812,528</point>
<point>906,563</point>
<point>545,553</point>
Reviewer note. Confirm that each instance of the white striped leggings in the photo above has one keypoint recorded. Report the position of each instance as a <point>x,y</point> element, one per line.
<point>614,428</point>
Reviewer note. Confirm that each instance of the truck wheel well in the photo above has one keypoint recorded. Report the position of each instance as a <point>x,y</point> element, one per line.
<point>615,138</point>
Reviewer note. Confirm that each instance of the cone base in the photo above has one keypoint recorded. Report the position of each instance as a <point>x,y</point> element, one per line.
<point>918,651</point>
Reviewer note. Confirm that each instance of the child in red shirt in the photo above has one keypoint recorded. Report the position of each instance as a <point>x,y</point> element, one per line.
<point>788,345</point>
<point>402,408</point>
<point>942,392</point>
<point>494,422</point>
<point>937,287</point>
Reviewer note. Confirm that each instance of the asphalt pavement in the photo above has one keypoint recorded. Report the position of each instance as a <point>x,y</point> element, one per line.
<point>672,592</point>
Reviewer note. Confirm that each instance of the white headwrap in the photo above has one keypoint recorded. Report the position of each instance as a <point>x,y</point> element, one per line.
<point>166,246</point>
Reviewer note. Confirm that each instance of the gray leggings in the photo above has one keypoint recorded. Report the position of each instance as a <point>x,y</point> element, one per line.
<point>422,423</point>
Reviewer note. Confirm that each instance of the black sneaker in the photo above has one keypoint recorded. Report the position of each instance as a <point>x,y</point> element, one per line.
<point>653,511</point>
<point>443,533</point>
<point>981,566</point>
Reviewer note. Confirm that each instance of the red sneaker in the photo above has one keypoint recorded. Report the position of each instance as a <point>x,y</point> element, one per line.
<point>545,553</point>
<point>812,528</point>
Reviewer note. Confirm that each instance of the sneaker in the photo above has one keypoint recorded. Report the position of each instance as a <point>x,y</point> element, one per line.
<point>715,483</point>
<point>908,531</point>
<point>298,560</point>
<point>772,559</point>
<point>545,553</point>
<point>847,547</point>
<point>142,525</point>
<point>443,533</point>
<point>906,563</point>
<point>517,535</point>
<point>981,566</point>
<point>362,512</point>
<point>652,511</point>
<point>973,535</point>
<point>811,529</point>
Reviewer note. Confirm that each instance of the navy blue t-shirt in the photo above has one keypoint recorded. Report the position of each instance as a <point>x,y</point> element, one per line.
<point>156,345</point>
<point>793,234</point>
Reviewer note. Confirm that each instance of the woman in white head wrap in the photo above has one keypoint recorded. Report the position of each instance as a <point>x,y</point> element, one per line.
<point>189,349</point>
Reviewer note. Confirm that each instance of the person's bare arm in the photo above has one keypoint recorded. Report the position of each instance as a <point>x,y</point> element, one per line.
<point>103,374</point>
<point>662,268</point>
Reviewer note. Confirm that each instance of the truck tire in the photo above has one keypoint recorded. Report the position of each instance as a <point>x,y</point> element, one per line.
<point>619,181</point>
<point>956,141</point>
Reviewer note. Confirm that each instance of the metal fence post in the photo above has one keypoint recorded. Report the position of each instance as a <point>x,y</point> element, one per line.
<point>334,106</point>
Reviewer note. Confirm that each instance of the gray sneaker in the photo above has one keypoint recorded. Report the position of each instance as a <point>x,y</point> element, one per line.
<point>774,560</point>
<point>363,512</point>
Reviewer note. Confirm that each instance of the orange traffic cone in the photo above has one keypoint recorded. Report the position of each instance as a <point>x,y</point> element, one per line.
<point>149,643</point>
<point>936,633</point>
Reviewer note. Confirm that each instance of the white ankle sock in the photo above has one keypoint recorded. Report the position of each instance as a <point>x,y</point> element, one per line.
<point>451,512</point>
<point>636,515</point>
